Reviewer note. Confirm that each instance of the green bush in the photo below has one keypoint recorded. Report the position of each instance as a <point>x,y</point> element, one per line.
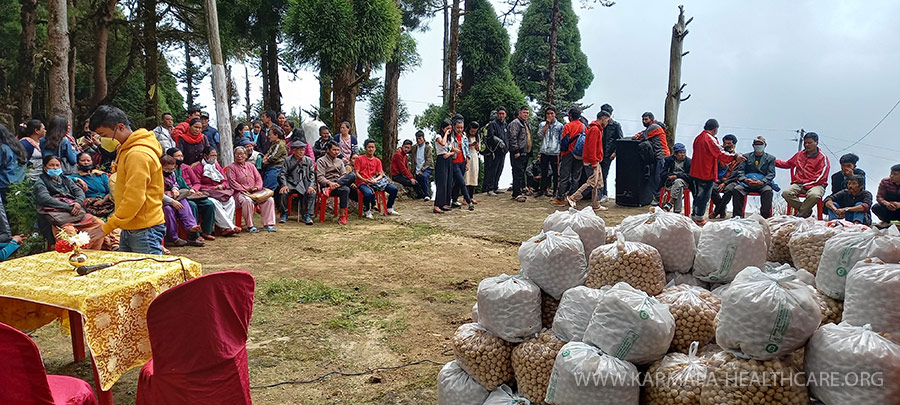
<point>22,213</point>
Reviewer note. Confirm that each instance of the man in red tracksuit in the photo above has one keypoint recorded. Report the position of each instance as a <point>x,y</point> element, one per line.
<point>704,166</point>
<point>809,175</point>
<point>591,156</point>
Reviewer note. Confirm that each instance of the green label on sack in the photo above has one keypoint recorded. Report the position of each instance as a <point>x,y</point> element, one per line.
<point>566,353</point>
<point>644,310</point>
<point>841,271</point>
<point>630,338</point>
<point>727,262</point>
<point>771,348</point>
<point>844,261</point>
<point>781,324</point>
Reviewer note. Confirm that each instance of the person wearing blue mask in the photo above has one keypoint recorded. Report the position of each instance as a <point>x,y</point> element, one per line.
<point>60,205</point>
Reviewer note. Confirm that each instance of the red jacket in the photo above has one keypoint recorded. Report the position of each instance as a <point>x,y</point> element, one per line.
<point>400,164</point>
<point>180,129</point>
<point>570,133</point>
<point>807,171</point>
<point>593,144</point>
<point>706,152</point>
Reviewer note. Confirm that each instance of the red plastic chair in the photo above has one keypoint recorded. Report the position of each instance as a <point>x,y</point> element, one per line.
<point>664,196</point>
<point>25,381</point>
<point>323,203</point>
<point>198,335</point>
<point>380,201</point>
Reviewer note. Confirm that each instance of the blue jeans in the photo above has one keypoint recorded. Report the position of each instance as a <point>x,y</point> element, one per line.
<point>270,179</point>
<point>423,184</point>
<point>457,172</point>
<point>849,216</point>
<point>701,198</point>
<point>147,240</point>
<point>369,196</point>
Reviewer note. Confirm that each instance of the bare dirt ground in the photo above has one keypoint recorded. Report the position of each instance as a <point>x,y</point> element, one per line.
<point>371,294</point>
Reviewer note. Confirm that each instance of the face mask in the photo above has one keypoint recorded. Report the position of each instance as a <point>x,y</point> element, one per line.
<point>54,172</point>
<point>646,124</point>
<point>759,148</point>
<point>86,168</point>
<point>247,134</point>
<point>167,174</point>
<point>109,144</point>
<point>211,161</point>
<point>179,162</point>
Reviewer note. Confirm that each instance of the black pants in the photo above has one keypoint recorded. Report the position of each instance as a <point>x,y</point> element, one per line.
<point>569,173</point>
<point>549,173</point>
<point>655,170</point>
<point>604,165</point>
<point>402,180</point>
<point>493,167</point>
<point>518,173</point>
<point>739,200</point>
<point>343,192</point>
<point>442,181</point>
<point>884,214</point>
<point>721,200</point>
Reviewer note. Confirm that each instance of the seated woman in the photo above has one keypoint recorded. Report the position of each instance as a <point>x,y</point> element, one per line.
<point>245,180</point>
<point>203,209</point>
<point>212,181</point>
<point>59,203</point>
<point>95,185</point>
<point>175,207</point>
<point>193,142</point>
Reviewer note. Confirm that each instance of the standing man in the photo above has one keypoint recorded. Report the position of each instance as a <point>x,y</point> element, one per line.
<point>400,172</point>
<point>421,162</point>
<point>707,152</point>
<point>184,128</point>
<point>848,169</point>
<point>569,166</point>
<point>551,131</point>
<point>809,175</point>
<point>163,132</point>
<point>139,184</point>
<point>210,133</point>
<point>611,133</point>
<point>592,154</point>
<point>756,175</point>
<point>519,150</point>
<point>887,200</point>
<point>495,152</point>
<point>654,133</point>
<point>726,180</point>
<point>263,143</point>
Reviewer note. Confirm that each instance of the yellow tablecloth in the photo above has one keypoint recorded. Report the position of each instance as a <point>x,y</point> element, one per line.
<point>113,301</point>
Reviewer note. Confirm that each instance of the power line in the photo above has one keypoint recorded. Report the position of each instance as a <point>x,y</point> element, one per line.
<point>873,128</point>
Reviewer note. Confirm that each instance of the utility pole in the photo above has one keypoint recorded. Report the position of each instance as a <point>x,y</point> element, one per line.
<point>220,94</point>
<point>802,133</point>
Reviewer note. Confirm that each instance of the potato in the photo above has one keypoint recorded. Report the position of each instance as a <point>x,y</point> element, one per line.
<point>832,309</point>
<point>635,263</point>
<point>675,379</point>
<point>548,310</point>
<point>485,357</point>
<point>782,227</point>
<point>673,235</point>
<point>532,362</point>
<point>735,381</point>
<point>694,310</point>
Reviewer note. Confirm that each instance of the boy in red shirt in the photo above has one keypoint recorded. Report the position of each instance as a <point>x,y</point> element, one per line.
<point>370,178</point>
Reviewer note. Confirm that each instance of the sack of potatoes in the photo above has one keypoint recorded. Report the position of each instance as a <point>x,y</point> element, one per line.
<point>766,315</point>
<point>694,310</point>
<point>532,362</point>
<point>808,244</point>
<point>850,354</point>
<point>672,234</point>
<point>635,263</point>
<point>555,261</point>
<point>630,325</point>
<point>782,227</point>
<point>589,227</point>
<point>873,296</point>
<point>675,379</point>
<point>456,387</point>
<point>610,236</point>
<point>509,306</point>
<point>736,381</point>
<point>727,247</point>
<point>504,395</point>
<point>832,309</point>
<point>548,309</point>
<point>485,357</point>
<point>611,381</point>
<point>677,278</point>
<point>844,250</point>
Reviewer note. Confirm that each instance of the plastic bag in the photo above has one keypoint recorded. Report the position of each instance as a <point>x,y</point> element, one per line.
<point>832,309</point>
<point>744,382</point>
<point>504,395</point>
<point>532,362</point>
<point>635,263</point>
<point>548,310</point>
<point>766,315</point>
<point>475,312</point>
<point>456,387</point>
<point>509,306</point>
<point>729,246</point>
<point>694,310</point>
<point>677,278</point>
<point>677,378</point>
<point>873,296</point>
<point>631,326</point>
<point>589,227</point>
<point>782,227</point>
<point>575,311</point>
<point>555,261</point>
<point>485,357</point>
<point>808,244</point>
<point>610,235</point>
<point>858,366</point>
<point>844,250</point>
<point>671,234</point>
<point>583,375</point>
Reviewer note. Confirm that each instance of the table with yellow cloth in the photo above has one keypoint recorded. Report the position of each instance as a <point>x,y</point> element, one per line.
<point>112,301</point>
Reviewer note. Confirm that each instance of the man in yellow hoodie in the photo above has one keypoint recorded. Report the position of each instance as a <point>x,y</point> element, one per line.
<point>139,185</point>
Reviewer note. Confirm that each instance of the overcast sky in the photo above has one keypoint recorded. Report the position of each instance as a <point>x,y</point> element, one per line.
<point>761,68</point>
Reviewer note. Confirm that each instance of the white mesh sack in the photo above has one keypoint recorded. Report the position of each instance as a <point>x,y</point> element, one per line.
<point>766,315</point>
<point>802,275</point>
<point>504,395</point>
<point>782,227</point>
<point>671,234</point>
<point>575,311</point>
<point>873,296</point>
<point>852,365</point>
<point>677,278</point>
<point>548,310</point>
<point>475,312</point>
<point>589,227</point>
<point>630,325</point>
<point>555,261</point>
<point>610,235</point>
<point>727,247</point>
<point>844,250</point>
<point>807,245</point>
<point>532,362</point>
<point>583,375</point>
<point>694,310</point>
<point>735,381</point>
<point>675,379</point>
<point>456,387</point>
<point>509,306</point>
<point>635,263</point>
<point>485,357</point>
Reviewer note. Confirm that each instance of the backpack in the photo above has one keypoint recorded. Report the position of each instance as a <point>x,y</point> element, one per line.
<point>579,144</point>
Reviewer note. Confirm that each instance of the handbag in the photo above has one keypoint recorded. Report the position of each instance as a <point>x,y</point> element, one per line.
<point>380,184</point>
<point>260,195</point>
<point>59,217</point>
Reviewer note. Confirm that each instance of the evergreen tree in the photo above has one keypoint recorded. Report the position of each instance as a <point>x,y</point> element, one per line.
<point>377,120</point>
<point>529,63</point>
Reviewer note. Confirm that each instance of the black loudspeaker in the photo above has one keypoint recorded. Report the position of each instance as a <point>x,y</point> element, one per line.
<point>632,175</point>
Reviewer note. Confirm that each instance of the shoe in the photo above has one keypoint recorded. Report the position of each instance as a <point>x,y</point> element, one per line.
<point>655,202</point>
<point>499,191</point>
<point>307,219</point>
<point>471,207</point>
<point>700,222</point>
<point>882,225</point>
<point>166,251</point>
<point>207,236</point>
<point>253,229</point>
<point>283,218</point>
<point>604,200</point>
<point>392,211</point>
<point>548,194</point>
<point>491,193</point>
<point>668,207</point>
<point>228,232</point>
<point>474,201</point>
<point>572,201</point>
<point>437,210</point>
<point>529,193</point>
<point>179,242</point>
<point>446,208</point>
<point>270,228</point>
<point>558,202</point>
<point>599,207</point>
<point>344,215</point>
<point>237,229</point>
<point>521,198</point>
<point>195,243</point>
<point>427,199</point>
<point>455,204</point>
<point>368,215</point>
<point>195,228</point>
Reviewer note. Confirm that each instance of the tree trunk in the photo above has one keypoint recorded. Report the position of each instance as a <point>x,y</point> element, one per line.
<point>220,91</point>
<point>26,58</point>
<point>105,17</point>
<point>188,75</point>
<point>551,62</point>
<point>453,57</point>
<point>274,86</point>
<point>73,54</point>
<point>673,96</point>
<point>248,109</point>
<point>58,44</point>
<point>151,61</point>
<point>445,85</point>
<point>264,72</point>
<point>391,105</point>
<point>467,78</point>
<point>343,81</point>
<point>325,90</point>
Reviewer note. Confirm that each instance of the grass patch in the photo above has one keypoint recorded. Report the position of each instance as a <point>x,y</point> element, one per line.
<point>395,327</point>
<point>348,319</point>
<point>287,290</point>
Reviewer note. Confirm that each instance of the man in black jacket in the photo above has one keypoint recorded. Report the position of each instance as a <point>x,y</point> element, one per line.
<point>495,152</point>
<point>676,177</point>
<point>519,150</point>
<point>611,133</point>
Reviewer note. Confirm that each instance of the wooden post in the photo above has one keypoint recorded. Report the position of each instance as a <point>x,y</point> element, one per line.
<point>220,94</point>
<point>673,96</point>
